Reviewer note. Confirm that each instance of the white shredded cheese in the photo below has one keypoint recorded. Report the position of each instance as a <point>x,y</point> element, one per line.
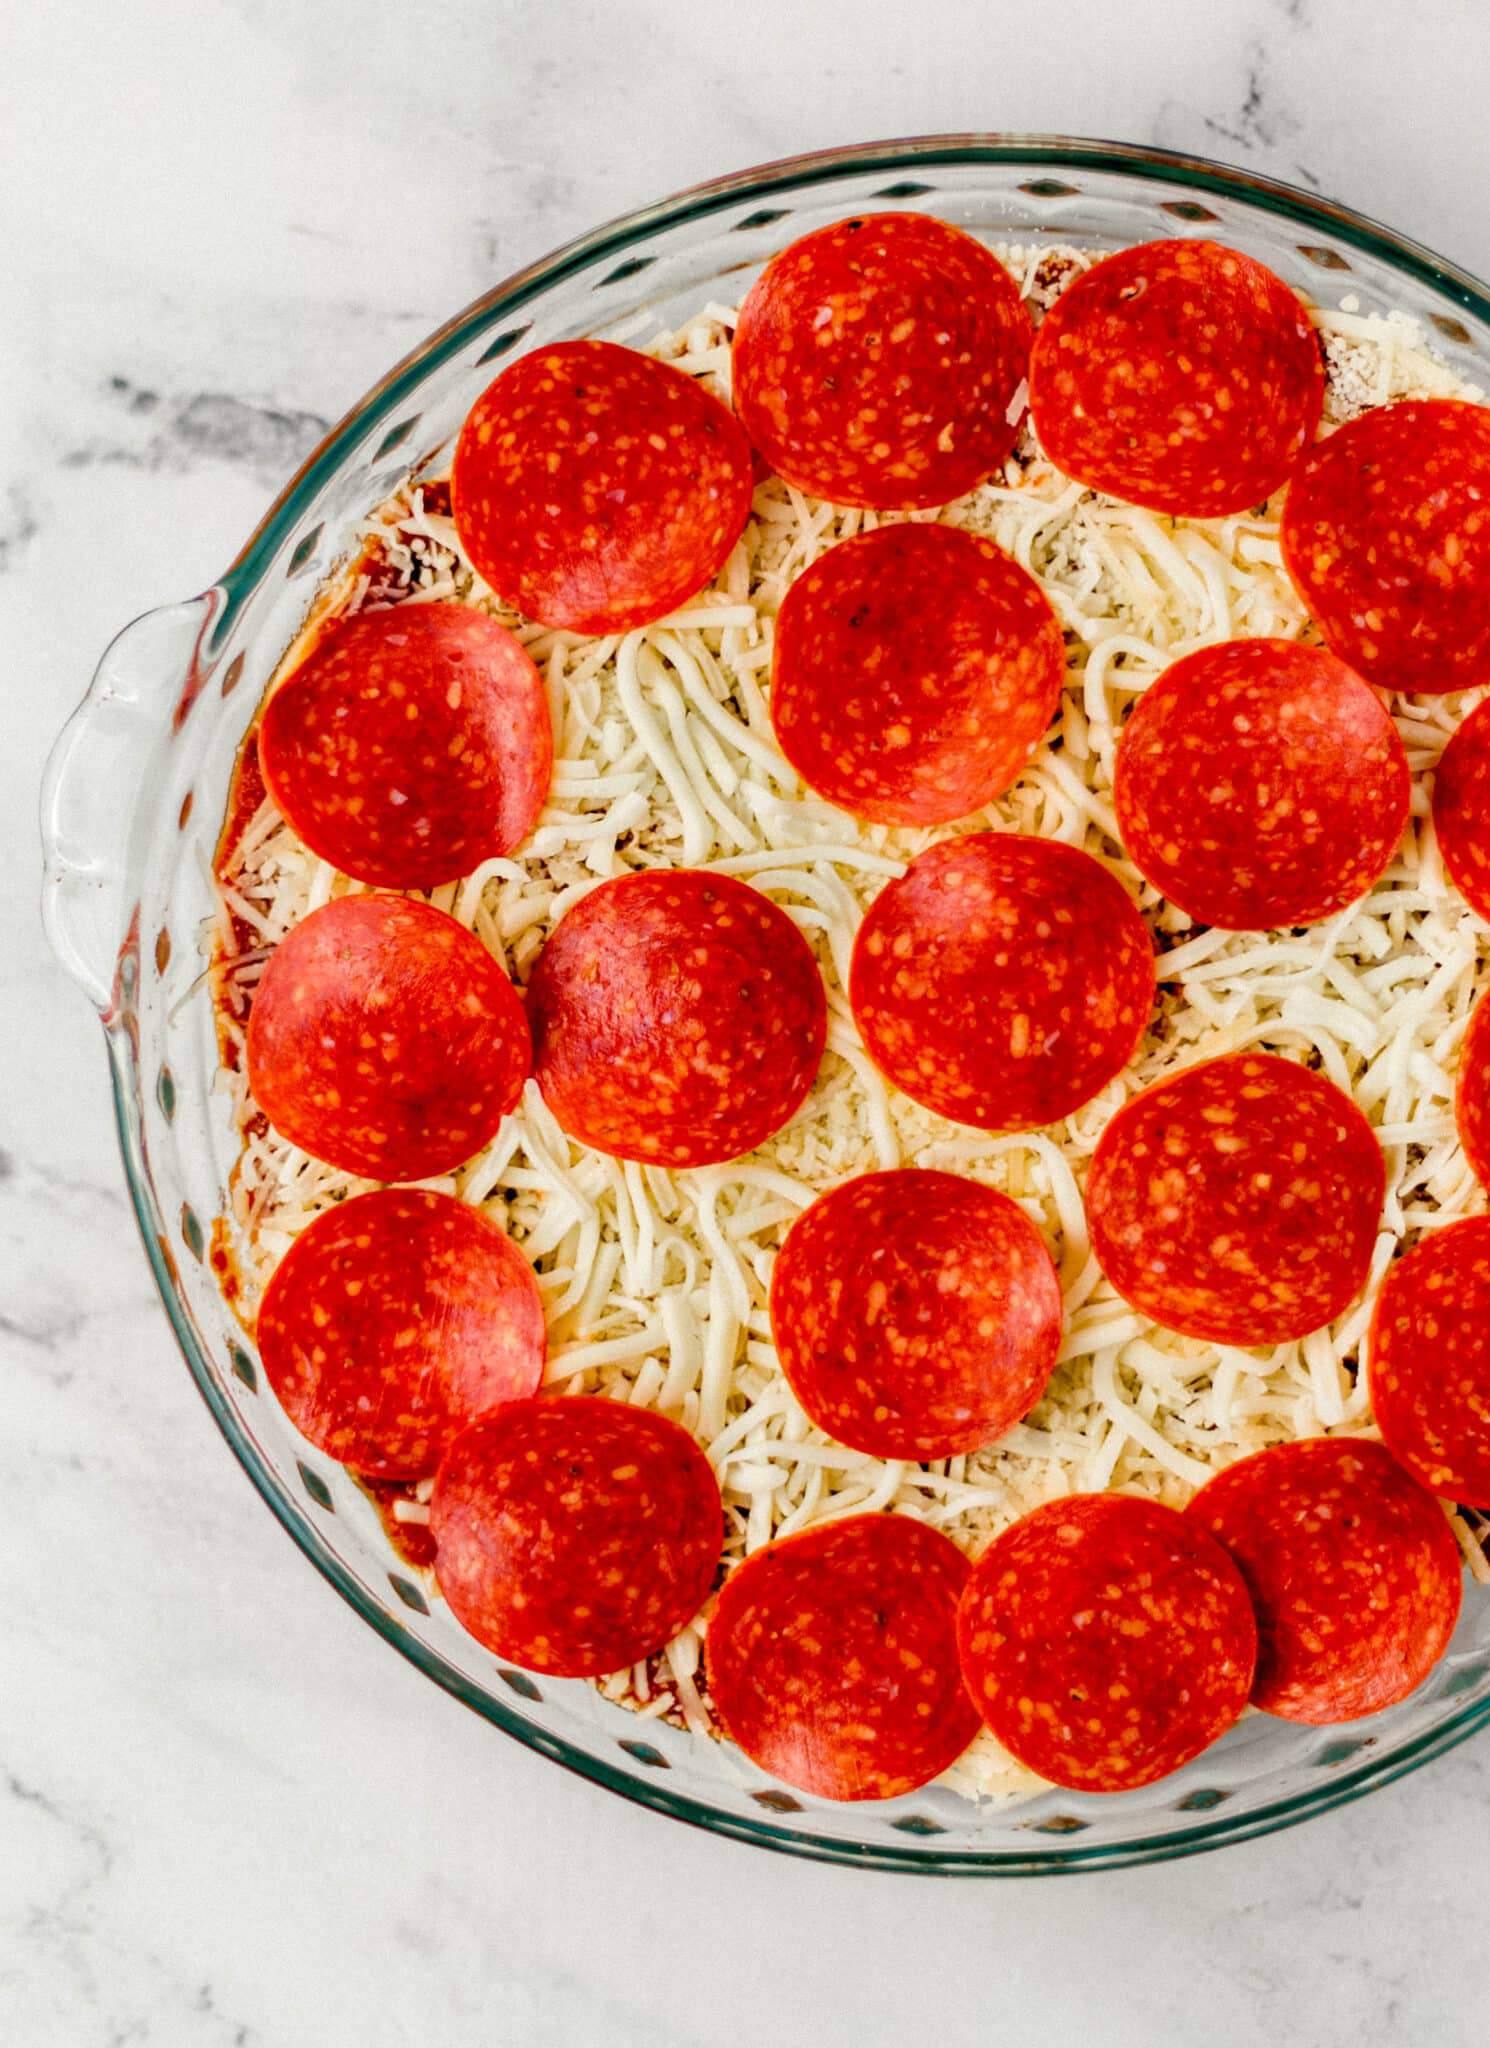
<point>656,1283</point>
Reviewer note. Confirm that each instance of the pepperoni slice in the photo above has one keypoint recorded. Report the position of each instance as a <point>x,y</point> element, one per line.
<point>596,489</point>
<point>411,745</point>
<point>832,1657</point>
<point>1260,783</point>
<point>876,361</point>
<point>1386,536</point>
<point>575,1535</point>
<point>1180,376</point>
<point>916,670</point>
<point>395,1319</point>
<point>1461,809</point>
<point>385,1039</point>
<point>1002,980</point>
<point>1106,1640</point>
<point>1472,1093</point>
<point>1353,1571</point>
<point>1429,1358</point>
<point>917,1314</point>
<point>1237,1200</point>
<point>678,1018</point>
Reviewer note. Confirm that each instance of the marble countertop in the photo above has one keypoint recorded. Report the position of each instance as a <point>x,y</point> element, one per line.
<point>229,1815</point>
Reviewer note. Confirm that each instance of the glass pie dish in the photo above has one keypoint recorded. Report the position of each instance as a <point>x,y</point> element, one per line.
<point>133,805</point>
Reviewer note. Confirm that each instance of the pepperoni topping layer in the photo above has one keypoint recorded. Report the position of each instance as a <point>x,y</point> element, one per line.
<point>1429,1356</point>
<point>832,1657</point>
<point>1386,535</point>
<point>1260,783</point>
<point>411,745</point>
<point>1237,1200</point>
<point>678,1018</point>
<point>1461,809</point>
<point>596,489</point>
<point>1472,1093</point>
<point>1106,1640</point>
<point>916,671</point>
<point>385,1040</point>
<point>1002,981</point>
<point>575,1535</point>
<point>916,1314</point>
<point>1353,1571</point>
<point>876,361</point>
<point>395,1319</point>
<point>1177,375</point>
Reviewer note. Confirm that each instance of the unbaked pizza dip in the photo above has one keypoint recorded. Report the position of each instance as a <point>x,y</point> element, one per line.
<point>853,990</point>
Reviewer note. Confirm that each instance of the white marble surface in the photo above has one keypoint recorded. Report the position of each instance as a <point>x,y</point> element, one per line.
<point>228,1815</point>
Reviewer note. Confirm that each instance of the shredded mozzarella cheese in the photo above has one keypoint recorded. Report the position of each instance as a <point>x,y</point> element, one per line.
<point>656,1282</point>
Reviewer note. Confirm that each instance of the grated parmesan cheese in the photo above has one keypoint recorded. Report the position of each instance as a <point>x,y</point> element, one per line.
<point>656,1282</point>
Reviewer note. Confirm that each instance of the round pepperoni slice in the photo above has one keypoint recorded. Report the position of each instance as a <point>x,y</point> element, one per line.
<point>1002,980</point>
<point>915,673</point>
<point>1353,1571</point>
<point>832,1657</point>
<point>385,1039</point>
<point>411,745</point>
<point>1429,1358</point>
<point>916,1314</point>
<point>1386,535</point>
<point>1472,1094</point>
<point>678,1018</point>
<point>1260,783</point>
<point>1237,1200</point>
<point>596,489</point>
<point>1461,810</point>
<point>575,1535</point>
<point>1106,1640</point>
<point>1180,376</point>
<point>876,361</point>
<point>395,1319</point>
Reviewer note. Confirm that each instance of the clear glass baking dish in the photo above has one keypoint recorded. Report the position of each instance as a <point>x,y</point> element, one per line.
<point>132,806</point>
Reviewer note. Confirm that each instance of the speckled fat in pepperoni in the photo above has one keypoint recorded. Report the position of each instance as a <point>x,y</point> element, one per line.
<point>575,1535</point>
<point>411,745</point>
<point>595,489</point>
<point>1237,1200</point>
<point>876,361</point>
<point>1461,809</point>
<point>1472,1093</point>
<point>916,671</point>
<point>1106,1641</point>
<point>1261,783</point>
<point>1386,535</point>
<point>1002,980</point>
<point>395,1319</point>
<point>1353,1571</point>
<point>832,1657</point>
<point>1177,375</point>
<point>1429,1357</point>
<point>678,1018</point>
<point>385,1039</point>
<point>916,1314</point>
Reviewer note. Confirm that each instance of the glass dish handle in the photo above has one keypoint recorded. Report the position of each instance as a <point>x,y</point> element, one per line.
<point>94,827</point>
